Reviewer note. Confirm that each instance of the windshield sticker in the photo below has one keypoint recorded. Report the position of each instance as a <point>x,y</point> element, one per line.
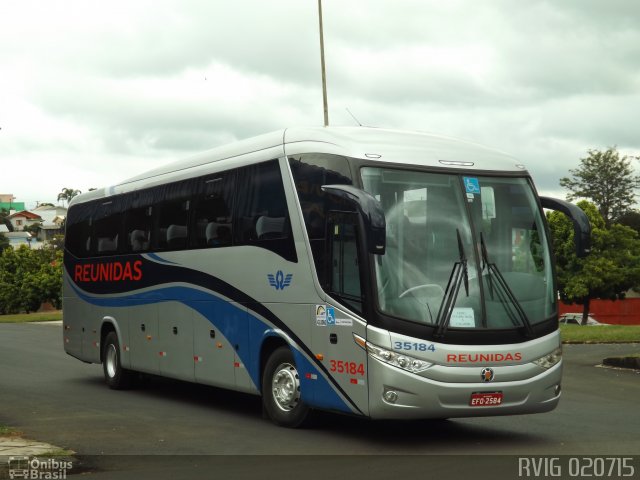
<point>471,185</point>
<point>321,315</point>
<point>462,317</point>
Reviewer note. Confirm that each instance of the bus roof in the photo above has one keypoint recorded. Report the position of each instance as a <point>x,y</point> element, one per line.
<point>372,144</point>
<point>401,146</point>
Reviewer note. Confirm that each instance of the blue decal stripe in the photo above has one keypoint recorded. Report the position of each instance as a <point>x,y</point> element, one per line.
<point>156,274</point>
<point>201,302</point>
<point>157,258</point>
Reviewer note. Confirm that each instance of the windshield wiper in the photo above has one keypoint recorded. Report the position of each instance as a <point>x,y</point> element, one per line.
<point>459,276</point>
<point>492,270</point>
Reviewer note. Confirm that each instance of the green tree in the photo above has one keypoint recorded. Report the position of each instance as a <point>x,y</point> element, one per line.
<point>44,284</point>
<point>4,213</point>
<point>606,179</point>
<point>4,242</point>
<point>9,266</point>
<point>612,267</point>
<point>33,229</point>
<point>631,219</point>
<point>67,194</point>
<point>57,242</point>
<point>29,277</point>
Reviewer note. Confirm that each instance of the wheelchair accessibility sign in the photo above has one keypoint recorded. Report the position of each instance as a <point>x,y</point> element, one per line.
<point>471,185</point>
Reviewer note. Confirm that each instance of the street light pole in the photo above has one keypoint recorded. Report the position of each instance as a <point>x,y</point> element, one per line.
<point>324,72</point>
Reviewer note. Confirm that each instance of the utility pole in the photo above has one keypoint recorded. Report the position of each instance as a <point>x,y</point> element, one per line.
<point>324,72</point>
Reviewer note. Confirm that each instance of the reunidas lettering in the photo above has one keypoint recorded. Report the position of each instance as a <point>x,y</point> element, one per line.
<point>483,357</point>
<point>108,272</point>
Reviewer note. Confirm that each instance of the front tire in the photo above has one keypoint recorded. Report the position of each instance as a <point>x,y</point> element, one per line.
<point>116,377</point>
<point>281,390</point>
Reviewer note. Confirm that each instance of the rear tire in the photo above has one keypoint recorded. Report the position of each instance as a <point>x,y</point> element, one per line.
<point>116,377</point>
<point>281,390</point>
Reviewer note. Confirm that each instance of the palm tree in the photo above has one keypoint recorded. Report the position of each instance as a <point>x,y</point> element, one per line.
<point>67,194</point>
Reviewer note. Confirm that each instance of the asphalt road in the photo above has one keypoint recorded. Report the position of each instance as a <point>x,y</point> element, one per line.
<point>55,398</point>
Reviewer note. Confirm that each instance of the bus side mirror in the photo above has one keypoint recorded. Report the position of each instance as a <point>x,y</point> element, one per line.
<point>370,212</point>
<point>581,225</point>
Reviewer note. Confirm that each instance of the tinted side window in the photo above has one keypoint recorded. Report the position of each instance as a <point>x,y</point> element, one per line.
<point>171,228</point>
<point>138,229</point>
<point>344,278</point>
<point>310,172</point>
<point>106,230</point>
<point>212,212</point>
<point>78,231</point>
<point>262,216</point>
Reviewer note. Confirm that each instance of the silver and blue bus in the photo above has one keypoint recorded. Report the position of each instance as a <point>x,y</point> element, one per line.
<point>386,274</point>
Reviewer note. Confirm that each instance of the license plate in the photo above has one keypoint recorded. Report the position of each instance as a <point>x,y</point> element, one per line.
<point>492,399</point>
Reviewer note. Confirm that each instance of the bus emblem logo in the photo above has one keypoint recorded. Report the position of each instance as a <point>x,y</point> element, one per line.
<point>487,374</point>
<point>279,281</point>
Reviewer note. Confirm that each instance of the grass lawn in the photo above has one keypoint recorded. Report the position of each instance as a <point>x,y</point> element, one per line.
<point>569,333</point>
<point>6,431</point>
<point>32,317</point>
<point>596,334</point>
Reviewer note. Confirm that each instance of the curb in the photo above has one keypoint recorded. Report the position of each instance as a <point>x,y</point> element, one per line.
<point>17,446</point>
<point>24,458</point>
<point>593,342</point>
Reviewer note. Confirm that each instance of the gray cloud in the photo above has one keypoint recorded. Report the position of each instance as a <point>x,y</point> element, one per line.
<point>98,91</point>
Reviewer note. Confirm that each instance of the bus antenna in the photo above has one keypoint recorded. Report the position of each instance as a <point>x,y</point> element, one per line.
<point>354,117</point>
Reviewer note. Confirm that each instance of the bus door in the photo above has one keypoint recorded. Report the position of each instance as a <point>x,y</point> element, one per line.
<point>334,322</point>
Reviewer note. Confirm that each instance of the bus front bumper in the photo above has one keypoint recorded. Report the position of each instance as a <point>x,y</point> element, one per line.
<point>397,394</point>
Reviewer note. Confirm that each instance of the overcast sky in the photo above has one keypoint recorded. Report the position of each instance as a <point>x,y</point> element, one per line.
<point>92,92</point>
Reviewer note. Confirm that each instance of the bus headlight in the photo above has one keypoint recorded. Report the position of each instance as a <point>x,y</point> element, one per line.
<point>550,359</point>
<point>403,361</point>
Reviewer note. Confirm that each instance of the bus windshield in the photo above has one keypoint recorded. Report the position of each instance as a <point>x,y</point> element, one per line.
<point>463,251</point>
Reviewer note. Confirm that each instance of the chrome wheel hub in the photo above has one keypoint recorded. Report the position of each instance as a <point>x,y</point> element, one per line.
<point>286,387</point>
<point>111,360</point>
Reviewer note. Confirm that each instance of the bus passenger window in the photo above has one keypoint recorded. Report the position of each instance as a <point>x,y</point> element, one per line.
<point>217,234</point>
<point>139,240</point>
<point>262,197</point>
<point>262,211</point>
<point>138,229</point>
<point>212,220</point>
<point>270,227</point>
<point>78,234</point>
<point>171,232</point>
<point>106,231</point>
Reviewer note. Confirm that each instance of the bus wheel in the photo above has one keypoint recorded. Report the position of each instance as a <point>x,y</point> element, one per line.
<point>281,392</point>
<point>116,377</point>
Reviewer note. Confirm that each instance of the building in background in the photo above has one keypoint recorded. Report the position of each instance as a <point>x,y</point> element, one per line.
<point>7,202</point>
<point>24,219</point>
<point>53,218</point>
<point>16,239</point>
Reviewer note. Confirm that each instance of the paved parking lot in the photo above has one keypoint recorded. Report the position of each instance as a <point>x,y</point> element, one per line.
<point>57,399</point>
